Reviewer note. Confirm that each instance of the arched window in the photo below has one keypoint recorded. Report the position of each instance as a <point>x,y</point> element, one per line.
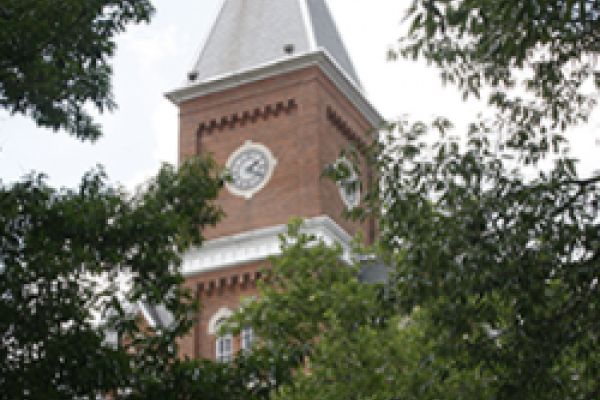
<point>248,338</point>
<point>224,345</point>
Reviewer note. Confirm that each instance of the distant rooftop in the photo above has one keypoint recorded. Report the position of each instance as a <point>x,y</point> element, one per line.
<point>250,33</point>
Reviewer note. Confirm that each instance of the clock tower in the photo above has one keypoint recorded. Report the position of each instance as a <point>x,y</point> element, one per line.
<point>273,96</point>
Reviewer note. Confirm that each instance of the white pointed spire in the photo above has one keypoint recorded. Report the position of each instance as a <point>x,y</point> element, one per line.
<point>248,34</point>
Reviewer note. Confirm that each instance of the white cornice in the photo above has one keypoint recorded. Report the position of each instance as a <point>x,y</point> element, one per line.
<point>257,245</point>
<point>319,58</point>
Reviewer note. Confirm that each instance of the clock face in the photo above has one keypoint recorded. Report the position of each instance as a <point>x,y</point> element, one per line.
<point>350,197</point>
<point>350,193</point>
<point>251,167</point>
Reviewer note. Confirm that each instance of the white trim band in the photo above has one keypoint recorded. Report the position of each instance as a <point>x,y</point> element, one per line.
<point>257,245</point>
<point>320,58</point>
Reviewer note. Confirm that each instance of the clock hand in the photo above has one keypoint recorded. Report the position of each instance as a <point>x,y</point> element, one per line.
<point>250,168</point>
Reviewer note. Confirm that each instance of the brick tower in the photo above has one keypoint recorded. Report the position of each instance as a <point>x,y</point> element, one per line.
<point>274,96</point>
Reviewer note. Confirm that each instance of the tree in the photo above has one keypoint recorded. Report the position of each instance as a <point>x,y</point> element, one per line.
<point>312,309</point>
<point>505,266</point>
<point>73,263</point>
<point>65,257</point>
<point>533,59</point>
<point>54,58</point>
<point>345,339</point>
<point>500,250</point>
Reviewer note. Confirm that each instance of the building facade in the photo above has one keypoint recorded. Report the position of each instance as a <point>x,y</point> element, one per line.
<point>273,96</point>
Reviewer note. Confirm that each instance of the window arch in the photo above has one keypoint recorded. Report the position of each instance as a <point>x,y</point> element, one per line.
<point>217,318</point>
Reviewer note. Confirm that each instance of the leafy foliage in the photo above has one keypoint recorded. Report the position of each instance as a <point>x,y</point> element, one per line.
<point>74,263</point>
<point>314,313</point>
<point>502,257</point>
<point>206,379</point>
<point>533,60</point>
<point>54,58</point>
<point>65,256</point>
<point>504,261</point>
<point>346,339</point>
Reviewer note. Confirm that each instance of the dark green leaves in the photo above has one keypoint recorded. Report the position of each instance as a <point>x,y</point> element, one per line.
<point>547,47</point>
<point>54,58</point>
<point>313,312</point>
<point>502,256</point>
<point>75,262</point>
<point>502,259</point>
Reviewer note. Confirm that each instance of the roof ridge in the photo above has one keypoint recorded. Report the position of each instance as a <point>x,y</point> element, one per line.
<point>249,33</point>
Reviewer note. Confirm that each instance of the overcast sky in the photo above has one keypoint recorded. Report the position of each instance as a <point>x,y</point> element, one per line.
<point>154,59</point>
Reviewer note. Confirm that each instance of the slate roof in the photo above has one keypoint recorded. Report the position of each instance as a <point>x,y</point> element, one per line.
<point>374,271</point>
<point>251,33</point>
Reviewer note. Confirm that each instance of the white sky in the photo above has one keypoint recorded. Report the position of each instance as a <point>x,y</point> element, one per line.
<point>153,59</point>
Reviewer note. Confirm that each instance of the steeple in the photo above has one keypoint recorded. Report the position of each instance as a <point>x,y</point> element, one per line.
<point>273,97</point>
<point>249,34</point>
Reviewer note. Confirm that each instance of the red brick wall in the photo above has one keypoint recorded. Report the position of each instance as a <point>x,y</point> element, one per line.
<point>290,114</point>
<point>217,289</point>
<point>332,140</point>
<point>301,138</point>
